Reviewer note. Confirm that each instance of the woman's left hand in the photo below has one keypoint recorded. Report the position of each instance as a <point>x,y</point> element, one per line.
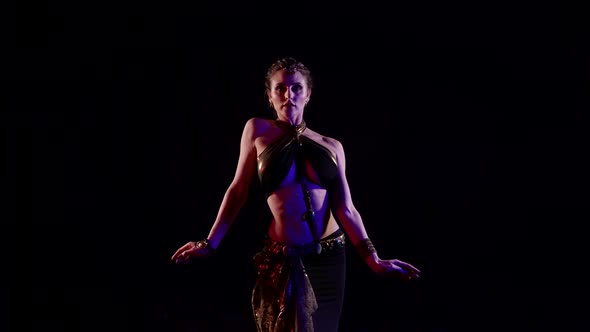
<point>394,268</point>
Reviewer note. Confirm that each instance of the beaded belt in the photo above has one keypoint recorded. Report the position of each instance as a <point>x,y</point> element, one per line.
<point>326,245</point>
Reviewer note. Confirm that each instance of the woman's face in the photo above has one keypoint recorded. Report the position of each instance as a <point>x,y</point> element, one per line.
<point>289,92</point>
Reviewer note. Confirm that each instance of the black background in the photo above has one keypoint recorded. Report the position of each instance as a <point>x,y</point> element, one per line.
<point>462,124</point>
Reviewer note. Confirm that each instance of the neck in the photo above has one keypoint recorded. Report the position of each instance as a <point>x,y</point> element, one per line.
<point>292,121</point>
<point>299,128</point>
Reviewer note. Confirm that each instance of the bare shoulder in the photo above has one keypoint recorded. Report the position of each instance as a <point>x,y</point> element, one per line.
<point>257,122</point>
<point>257,126</point>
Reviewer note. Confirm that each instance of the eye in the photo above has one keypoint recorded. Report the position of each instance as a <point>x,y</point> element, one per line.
<point>280,88</point>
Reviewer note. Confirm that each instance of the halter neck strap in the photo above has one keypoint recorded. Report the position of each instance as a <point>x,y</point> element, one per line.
<point>298,129</point>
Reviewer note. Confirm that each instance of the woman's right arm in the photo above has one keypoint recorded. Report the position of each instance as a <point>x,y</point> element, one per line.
<point>234,198</point>
<point>237,192</point>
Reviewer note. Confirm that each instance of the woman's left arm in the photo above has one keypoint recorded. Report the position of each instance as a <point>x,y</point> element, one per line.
<point>352,222</point>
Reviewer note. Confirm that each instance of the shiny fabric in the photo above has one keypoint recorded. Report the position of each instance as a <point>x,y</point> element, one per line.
<point>283,299</point>
<point>277,159</point>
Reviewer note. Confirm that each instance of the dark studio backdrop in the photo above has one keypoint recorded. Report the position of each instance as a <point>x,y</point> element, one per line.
<point>462,127</point>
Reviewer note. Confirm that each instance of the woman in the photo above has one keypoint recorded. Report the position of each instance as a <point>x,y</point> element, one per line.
<point>301,268</point>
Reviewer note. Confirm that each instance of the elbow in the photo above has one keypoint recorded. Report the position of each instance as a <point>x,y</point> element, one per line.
<point>238,192</point>
<point>346,213</point>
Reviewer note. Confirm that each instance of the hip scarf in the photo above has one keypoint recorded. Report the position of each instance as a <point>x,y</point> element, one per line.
<point>283,298</point>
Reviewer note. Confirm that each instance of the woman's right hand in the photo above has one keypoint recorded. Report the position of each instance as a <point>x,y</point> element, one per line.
<point>192,250</point>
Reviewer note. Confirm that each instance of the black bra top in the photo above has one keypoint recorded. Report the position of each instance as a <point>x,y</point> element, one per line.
<point>277,159</point>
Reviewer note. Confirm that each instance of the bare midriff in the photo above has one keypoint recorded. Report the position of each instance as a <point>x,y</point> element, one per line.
<point>287,206</point>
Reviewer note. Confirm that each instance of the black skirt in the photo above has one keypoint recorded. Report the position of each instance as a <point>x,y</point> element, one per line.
<point>327,272</point>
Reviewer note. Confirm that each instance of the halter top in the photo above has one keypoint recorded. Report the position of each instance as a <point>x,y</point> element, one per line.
<point>292,147</point>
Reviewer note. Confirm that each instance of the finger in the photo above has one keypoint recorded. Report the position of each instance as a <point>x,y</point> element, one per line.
<point>182,249</point>
<point>177,253</point>
<point>409,266</point>
<point>182,258</point>
<point>413,275</point>
<point>175,256</point>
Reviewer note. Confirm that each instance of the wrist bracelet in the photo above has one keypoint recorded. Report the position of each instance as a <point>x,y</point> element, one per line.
<point>206,245</point>
<point>365,248</point>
